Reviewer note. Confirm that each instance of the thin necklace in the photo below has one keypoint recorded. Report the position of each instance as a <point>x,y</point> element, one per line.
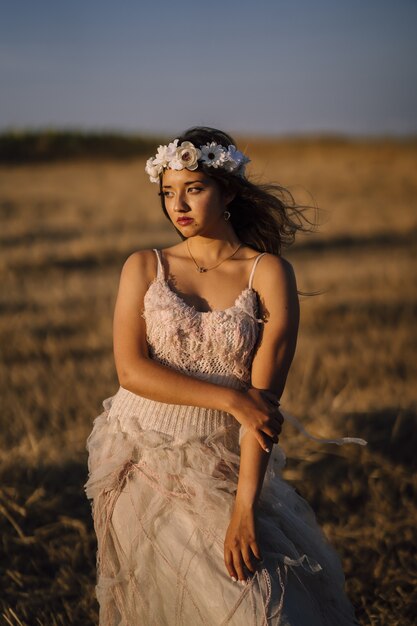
<point>201,269</point>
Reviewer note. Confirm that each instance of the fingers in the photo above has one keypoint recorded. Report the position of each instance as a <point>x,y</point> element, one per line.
<point>263,441</point>
<point>271,397</point>
<point>276,415</point>
<point>267,424</point>
<point>249,558</point>
<point>276,421</point>
<point>243,562</point>
<point>235,565</point>
<point>273,403</point>
<point>272,432</point>
<point>228,559</point>
<point>255,549</point>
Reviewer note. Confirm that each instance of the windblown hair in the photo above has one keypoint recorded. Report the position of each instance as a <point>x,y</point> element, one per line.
<point>264,216</point>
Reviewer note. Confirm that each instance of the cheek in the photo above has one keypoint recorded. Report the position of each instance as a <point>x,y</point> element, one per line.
<point>215,210</point>
<point>169,208</point>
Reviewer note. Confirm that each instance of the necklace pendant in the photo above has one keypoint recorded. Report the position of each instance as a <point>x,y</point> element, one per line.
<point>202,269</point>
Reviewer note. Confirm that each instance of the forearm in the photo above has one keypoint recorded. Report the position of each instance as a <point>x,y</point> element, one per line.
<point>153,380</point>
<point>253,465</point>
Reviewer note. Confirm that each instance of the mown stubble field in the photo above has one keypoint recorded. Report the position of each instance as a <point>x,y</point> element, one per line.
<point>66,229</point>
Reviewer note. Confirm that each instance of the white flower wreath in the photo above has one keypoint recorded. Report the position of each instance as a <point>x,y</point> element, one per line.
<point>186,155</point>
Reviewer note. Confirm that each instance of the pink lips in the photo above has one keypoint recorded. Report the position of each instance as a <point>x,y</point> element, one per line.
<point>183,221</point>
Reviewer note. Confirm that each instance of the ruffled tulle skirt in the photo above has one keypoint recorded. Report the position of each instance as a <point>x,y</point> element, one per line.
<point>161,505</point>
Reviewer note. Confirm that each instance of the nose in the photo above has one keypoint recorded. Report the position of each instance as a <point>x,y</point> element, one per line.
<point>180,204</point>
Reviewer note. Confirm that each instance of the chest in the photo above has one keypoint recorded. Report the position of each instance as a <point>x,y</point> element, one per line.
<point>174,325</point>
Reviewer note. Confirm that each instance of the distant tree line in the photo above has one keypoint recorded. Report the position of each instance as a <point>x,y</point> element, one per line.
<point>30,146</point>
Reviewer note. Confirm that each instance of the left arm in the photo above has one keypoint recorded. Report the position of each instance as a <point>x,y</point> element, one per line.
<point>276,285</point>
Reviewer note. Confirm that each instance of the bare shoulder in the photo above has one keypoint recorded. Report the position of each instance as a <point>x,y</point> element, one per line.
<point>274,272</point>
<point>139,267</point>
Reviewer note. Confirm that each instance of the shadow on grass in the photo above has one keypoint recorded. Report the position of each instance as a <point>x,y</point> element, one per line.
<point>391,433</point>
<point>355,242</point>
<point>366,500</point>
<point>48,545</point>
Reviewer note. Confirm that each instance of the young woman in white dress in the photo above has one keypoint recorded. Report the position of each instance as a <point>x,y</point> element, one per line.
<point>194,522</point>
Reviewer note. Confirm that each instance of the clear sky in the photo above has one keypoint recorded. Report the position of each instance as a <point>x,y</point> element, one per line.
<point>251,66</point>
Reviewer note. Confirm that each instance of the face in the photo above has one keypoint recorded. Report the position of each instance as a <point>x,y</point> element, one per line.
<point>195,202</point>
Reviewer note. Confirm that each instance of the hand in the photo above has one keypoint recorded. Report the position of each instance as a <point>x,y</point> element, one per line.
<point>258,412</point>
<point>241,550</point>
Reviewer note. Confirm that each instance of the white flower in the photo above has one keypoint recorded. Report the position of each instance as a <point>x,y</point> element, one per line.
<point>153,170</point>
<point>165,154</point>
<point>187,156</point>
<point>175,164</point>
<point>235,160</point>
<point>213,154</point>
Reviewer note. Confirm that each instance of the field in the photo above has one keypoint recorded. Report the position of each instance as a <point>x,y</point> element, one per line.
<point>66,229</point>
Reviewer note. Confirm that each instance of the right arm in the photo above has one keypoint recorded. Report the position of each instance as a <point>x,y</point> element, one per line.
<point>139,373</point>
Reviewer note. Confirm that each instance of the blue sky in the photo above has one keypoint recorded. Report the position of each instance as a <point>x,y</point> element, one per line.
<point>256,67</point>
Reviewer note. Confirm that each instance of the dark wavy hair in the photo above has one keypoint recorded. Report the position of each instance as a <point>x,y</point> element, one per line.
<point>264,216</point>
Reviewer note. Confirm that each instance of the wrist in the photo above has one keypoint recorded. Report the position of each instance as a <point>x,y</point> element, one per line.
<point>246,497</point>
<point>244,505</point>
<point>231,400</point>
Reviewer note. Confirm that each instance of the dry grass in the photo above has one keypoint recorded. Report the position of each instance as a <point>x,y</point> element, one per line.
<point>65,232</point>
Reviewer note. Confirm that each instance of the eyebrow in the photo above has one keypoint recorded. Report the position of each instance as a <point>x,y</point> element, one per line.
<point>188,182</point>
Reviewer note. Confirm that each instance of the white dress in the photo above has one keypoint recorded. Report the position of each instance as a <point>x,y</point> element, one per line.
<point>163,478</point>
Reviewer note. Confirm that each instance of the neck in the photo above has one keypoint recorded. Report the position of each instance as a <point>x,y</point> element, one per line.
<point>212,249</point>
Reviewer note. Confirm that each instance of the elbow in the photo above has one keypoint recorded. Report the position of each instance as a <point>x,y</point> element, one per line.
<point>124,379</point>
<point>126,374</point>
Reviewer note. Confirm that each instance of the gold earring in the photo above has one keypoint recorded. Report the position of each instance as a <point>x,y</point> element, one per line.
<point>226,215</point>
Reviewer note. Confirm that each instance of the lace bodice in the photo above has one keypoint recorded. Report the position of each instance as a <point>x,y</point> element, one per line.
<point>215,345</point>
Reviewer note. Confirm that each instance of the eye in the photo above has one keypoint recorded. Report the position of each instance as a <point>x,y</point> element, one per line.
<point>165,194</point>
<point>195,189</point>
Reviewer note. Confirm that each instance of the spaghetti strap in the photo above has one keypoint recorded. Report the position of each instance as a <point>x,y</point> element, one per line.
<point>160,272</point>
<point>254,268</point>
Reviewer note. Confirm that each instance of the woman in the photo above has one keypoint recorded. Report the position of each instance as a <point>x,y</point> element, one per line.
<point>191,527</point>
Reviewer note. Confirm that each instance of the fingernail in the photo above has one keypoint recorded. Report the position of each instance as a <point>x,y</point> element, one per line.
<point>267,450</point>
<point>234,579</point>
